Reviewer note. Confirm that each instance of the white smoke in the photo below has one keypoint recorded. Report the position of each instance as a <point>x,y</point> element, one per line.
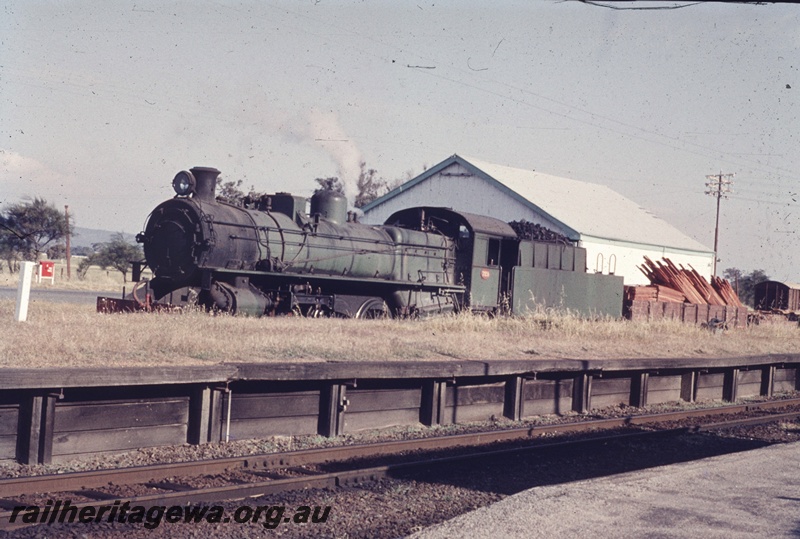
<point>330,136</point>
<point>323,130</point>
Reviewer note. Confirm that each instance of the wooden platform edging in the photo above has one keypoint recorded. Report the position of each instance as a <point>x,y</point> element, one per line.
<point>638,396</point>
<point>582,393</point>
<point>333,404</point>
<point>514,403</point>
<point>434,401</point>
<point>56,424</point>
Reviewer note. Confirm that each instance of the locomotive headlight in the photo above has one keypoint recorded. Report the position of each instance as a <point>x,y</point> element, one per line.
<point>184,183</point>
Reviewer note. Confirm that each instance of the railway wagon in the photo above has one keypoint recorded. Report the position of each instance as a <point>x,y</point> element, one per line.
<point>777,296</point>
<point>268,256</point>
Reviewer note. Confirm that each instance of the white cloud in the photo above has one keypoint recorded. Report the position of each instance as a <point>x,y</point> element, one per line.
<point>22,176</point>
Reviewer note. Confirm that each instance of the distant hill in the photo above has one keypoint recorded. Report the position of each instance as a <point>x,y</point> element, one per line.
<point>86,237</point>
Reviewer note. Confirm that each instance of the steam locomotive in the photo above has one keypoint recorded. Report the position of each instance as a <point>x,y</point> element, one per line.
<point>269,257</point>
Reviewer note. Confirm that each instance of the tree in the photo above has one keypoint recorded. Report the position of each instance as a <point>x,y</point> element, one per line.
<point>27,228</point>
<point>6,251</point>
<point>329,184</point>
<point>734,275</point>
<point>369,185</point>
<point>745,285</point>
<point>116,254</point>
<point>57,251</point>
<point>232,193</point>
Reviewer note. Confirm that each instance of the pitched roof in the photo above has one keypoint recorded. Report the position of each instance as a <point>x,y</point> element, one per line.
<point>586,208</point>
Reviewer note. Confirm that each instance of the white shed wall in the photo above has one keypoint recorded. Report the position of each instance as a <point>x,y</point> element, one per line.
<point>599,252</point>
<point>454,187</point>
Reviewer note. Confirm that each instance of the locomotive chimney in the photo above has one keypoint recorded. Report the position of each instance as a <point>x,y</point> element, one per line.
<point>206,178</point>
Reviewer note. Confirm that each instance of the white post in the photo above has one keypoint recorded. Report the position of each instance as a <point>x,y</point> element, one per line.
<point>23,291</point>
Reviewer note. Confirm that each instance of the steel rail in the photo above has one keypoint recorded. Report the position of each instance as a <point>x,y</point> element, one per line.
<point>183,495</point>
<point>140,474</point>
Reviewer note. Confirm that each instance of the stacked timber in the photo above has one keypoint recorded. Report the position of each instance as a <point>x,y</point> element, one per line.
<point>724,289</point>
<point>679,285</point>
<point>653,292</point>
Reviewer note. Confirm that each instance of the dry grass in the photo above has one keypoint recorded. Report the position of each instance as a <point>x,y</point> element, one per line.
<point>96,278</point>
<point>70,335</point>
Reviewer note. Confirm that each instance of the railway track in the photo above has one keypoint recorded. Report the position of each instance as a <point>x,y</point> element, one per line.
<point>172,484</point>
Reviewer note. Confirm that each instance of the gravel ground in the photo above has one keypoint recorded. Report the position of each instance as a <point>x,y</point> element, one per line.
<point>187,452</point>
<point>397,507</point>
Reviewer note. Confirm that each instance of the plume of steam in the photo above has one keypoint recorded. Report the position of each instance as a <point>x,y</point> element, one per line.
<point>323,130</point>
<point>330,136</point>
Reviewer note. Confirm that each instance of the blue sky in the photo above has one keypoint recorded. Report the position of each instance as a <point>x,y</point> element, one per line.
<point>102,103</point>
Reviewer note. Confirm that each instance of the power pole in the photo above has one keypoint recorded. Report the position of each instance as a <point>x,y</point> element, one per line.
<point>718,186</point>
<point>69,254</point>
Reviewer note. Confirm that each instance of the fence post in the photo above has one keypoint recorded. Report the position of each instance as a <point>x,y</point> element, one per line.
<point>23,291</point>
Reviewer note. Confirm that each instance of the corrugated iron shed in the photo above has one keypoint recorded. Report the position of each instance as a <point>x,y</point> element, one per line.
<point>615,231</point>
<point>584,209</point>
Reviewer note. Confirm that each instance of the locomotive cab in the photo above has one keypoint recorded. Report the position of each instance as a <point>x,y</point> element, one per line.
<point>485,274</point>
<point>486,249</point>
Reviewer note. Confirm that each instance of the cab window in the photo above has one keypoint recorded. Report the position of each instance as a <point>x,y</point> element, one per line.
<point>493,253</point>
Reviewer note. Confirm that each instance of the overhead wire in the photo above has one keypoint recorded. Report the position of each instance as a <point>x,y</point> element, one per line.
<point>673,140</point>
<point>592,119</point>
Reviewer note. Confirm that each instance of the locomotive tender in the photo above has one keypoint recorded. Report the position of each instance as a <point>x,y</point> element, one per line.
<point>269,257</point>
